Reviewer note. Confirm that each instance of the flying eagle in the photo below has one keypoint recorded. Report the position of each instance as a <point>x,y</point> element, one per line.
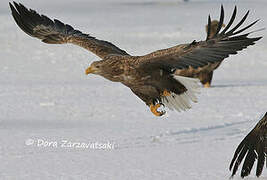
<point>151,77</point>
<point>205,73</point>
<point>252,147</point>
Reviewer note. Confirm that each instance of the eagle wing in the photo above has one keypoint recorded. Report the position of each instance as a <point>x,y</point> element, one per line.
<point>199,55</point>
<point>56,32</point>
<point>254,146</point>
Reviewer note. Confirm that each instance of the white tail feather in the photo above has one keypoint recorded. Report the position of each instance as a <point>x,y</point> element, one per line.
<point>182,102</point>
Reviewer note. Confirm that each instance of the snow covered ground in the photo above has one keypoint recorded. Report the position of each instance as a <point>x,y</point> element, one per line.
<point>45,96</point>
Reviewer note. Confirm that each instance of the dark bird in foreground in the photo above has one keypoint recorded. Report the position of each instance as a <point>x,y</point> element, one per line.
<point>252,147</point>
<point>203,74</point>
<point>151,77</point>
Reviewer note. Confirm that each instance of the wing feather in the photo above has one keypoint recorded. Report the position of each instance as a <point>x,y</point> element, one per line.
<point>56,32</point>
<point>255,146</point>
<point>220,22</point>
<point>199,54</point>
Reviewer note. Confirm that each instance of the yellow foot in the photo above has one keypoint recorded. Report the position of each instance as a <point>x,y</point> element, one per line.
<point>166,93</point>
<point>207,85</point>
<point>154,110</point>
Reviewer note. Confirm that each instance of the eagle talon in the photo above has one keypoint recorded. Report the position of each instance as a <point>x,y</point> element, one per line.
<point>154,109</point>
<point>166,93</point>
<point>207,85</point>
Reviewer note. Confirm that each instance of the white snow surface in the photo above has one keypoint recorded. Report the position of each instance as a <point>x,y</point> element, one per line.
<point>45,95</point>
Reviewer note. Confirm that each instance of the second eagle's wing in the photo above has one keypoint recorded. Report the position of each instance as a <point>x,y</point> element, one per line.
<point>252,147</point>
<point>56,32</point>
<point>197,55</point>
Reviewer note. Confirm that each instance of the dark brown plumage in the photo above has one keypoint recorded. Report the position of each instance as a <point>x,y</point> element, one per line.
<point>252,147</point>
<point>151,77</point>
<point>204,74</point>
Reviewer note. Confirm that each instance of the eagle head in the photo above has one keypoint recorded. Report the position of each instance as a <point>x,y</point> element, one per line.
<point>95,68</point>
<point>109,69</point>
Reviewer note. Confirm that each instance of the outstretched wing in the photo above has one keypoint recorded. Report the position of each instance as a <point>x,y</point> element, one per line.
<point>204,53</point>
<point>56,32</point>
<point>253,146</point>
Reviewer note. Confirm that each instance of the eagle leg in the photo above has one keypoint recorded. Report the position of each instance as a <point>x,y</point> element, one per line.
<point>206,78</point>
<point>154,109</point>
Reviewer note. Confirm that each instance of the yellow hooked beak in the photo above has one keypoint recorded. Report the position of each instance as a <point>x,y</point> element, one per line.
<point>89,70</point>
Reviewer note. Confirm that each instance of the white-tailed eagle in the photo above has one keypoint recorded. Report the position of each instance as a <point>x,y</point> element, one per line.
<point>151,77</point>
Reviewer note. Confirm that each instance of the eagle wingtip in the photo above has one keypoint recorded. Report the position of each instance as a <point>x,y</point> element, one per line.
<point>15,3</point>
<point>222,9</point>
<point>208,27</point>
<point>11,6</point>
<point>17,6</point>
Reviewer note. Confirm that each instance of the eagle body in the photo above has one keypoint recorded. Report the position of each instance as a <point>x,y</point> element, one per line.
<point>148,84</point>
<point>159,78</point>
